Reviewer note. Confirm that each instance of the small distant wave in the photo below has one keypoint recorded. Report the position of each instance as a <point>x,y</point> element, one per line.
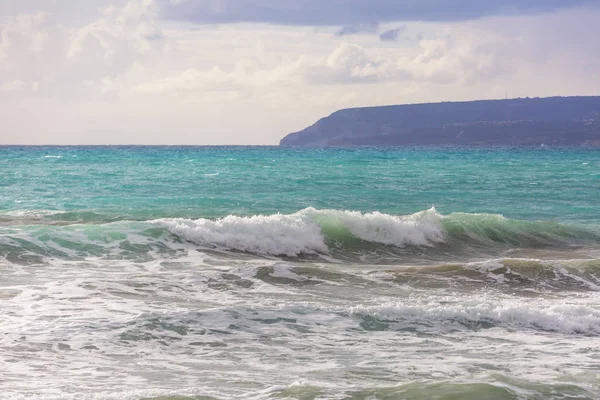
<point>30,213</point>
<point>536,315</point>
<point>52,157</point>
<point>523,275</point>
<point>527,277</point>
<point>55,217</point>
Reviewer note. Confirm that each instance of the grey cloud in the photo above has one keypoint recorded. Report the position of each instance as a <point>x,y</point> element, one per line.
<point>392,35</point>
<point>351,12</point>
<point>356,29</point>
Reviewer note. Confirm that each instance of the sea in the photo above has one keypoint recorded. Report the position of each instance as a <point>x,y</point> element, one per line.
<point>299,273</point>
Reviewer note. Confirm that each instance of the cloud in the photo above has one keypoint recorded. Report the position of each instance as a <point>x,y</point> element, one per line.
<point>69,9</point>
<point>356,29</point>
<point>350,63</point>
<point>392,34</point>
<point>459,57</point>
<point>443,60</point>
<point>13,87</point>
<point>476,56</point>
<point>23,37</point>
<point>118,37</point>
<point>351,12</point>
<point>60,60</point>
<point>239,82</point>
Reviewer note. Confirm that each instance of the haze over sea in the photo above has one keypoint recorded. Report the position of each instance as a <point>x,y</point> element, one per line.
<point>271,273</point>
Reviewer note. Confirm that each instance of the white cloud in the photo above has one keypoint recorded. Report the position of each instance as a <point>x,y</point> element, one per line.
<point>443,61</point>
<point>350,63</point>
<point>450,58</point>
<point>14,86</point>
<point>64,59</point>
<point>246,75</point>
<point>22,37</point>
<point>462,57</point>
<point>120,35</point>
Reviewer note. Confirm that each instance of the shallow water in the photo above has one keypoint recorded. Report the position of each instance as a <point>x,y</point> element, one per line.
<point>188,273</point>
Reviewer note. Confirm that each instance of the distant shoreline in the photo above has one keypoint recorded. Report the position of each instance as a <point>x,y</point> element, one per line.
<point>524,122</point>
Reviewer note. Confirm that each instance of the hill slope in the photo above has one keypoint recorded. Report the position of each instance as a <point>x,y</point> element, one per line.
<point>566,121</point>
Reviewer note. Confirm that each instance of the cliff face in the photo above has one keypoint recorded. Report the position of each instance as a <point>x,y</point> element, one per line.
<point>566,121</point>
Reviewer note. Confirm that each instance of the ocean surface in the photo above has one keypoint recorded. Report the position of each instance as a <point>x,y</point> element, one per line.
<point>281,273</point>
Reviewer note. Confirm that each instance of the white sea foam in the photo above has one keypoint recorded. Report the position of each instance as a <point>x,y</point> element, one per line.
<point>274,234</point>
<point>305,232</point>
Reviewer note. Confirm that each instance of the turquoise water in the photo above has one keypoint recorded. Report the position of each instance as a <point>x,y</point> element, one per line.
<point>265,272</point>
<point>146,182</point>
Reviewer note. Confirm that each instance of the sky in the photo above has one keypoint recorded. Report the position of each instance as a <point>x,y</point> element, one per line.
<point>209,72</point>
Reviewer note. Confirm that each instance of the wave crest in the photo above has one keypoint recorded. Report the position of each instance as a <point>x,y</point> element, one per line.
<point>344,235</point>
<point>274,234</point>
<point>312,231</point>
<point>308,231</point>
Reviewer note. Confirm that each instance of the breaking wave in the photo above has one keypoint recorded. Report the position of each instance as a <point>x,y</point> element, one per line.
<point>344,235</point>
<point>309,231</point>
<point>313,231</point>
